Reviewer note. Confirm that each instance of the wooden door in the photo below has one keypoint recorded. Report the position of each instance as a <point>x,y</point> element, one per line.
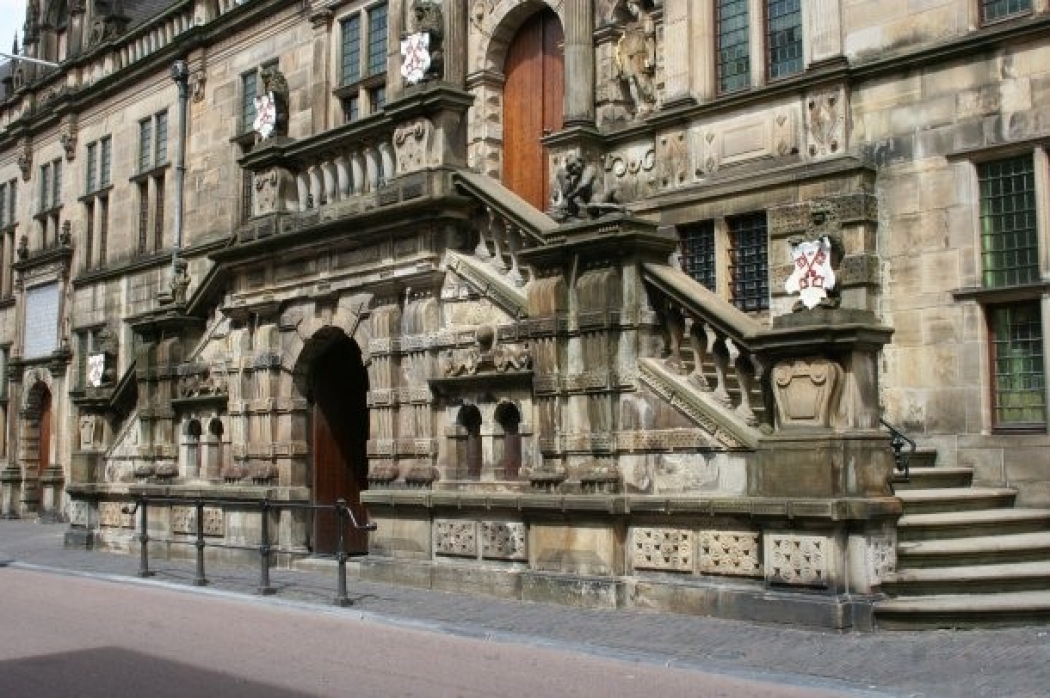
<point>533,97</point>
<point>339,439</point>
<point>44,446</point>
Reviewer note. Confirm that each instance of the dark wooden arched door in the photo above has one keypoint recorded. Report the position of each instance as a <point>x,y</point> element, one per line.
<point>533,106</point>
<point>339,384</point>
<point>44,446</point>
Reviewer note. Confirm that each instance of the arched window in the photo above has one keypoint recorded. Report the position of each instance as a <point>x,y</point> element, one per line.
<point>469,456</point>
<point>192,444</point>
<point>509,418</point>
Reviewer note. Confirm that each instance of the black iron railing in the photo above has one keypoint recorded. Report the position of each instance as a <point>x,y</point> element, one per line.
<point>901,458</point>
<point>343,512</point>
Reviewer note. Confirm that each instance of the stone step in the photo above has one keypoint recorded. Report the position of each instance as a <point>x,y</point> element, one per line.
<point>969,579</point>
<point>948,499</point>
<point>963,610</point>
<point>975,550</point>
<point>923,458</point>
<point>926,478</point>
<point>960,524</point>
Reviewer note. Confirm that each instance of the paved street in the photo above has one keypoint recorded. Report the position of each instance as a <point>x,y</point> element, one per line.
<point>1012,662</point>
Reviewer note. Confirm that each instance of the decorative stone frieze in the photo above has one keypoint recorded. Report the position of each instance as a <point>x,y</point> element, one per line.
<point>184,520</point>
<point>112,515</point>
<point>881,557</point>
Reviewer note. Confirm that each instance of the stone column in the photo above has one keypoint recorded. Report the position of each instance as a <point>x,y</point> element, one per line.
<point>823,30</point>
<point>579,63</point>
<point>455,42</point>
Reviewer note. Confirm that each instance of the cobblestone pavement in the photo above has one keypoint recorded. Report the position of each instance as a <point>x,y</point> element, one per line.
<point>1007,662</point>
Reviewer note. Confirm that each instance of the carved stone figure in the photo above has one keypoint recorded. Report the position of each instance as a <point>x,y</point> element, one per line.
<point>428,18</point>
<point>575,189</point>
<point>636,55</point>
<point>180,281</point>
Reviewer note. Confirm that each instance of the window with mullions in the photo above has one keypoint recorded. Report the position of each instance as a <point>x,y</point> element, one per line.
<point>153,142</point>
<point>749,261</point>
<point>734,60</point>
<point>992,10</point>
<point>7,203</point>
<point>377,40</point>
<point>351,58</point>
<point>1009,236</point>
<point>784,37</point>
<point>249,87</point>
<point>1019,381</point>
<point>362,62</point>
<point>698,252</point>
<point>50,185</point>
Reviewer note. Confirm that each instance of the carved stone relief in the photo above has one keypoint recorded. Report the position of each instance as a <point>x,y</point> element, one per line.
<point>411,144</point>
<point>503,540</point>
<point>455,538</point>
<point>797,559</point>
<point>184,520</point>
<point>672,158</point>
<point>112,516</point>
<point>668,549</point>
<point>806,391</point>
<point>630,173</point>
<point>882,557</point>
<point>79,513</point>
<point>735,553</point>
<point>825,123</point>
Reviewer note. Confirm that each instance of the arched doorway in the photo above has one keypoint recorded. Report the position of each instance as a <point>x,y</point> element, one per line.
<point>533,105</point>
<point>44,444</point>
<point>339,434</point>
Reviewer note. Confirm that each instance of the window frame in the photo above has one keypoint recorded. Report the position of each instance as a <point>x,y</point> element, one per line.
<point>364,93</point>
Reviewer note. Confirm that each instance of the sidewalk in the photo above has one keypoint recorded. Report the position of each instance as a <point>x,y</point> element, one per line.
<point>1010,662</point>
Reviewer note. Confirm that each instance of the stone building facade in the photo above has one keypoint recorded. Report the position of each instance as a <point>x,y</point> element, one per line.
<point>509,276</point>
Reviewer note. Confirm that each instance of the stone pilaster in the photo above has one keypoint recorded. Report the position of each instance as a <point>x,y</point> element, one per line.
<point>678,50</point>
<point>579,64</point>
<point>823,29</point>
<point>455,40</point>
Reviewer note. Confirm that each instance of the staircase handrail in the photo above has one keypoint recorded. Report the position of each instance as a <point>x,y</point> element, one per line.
<point>898,439</point>
<point>701,301</point>
<point>536,224</point>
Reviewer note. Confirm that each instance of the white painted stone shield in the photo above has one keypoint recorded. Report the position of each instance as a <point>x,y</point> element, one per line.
<point>265,115</point>
<point>812,276</point>
<point>415,55</point>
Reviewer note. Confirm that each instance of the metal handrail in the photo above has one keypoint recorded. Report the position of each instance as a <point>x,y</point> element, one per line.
<point>345,513</point>
<point>898,440</point>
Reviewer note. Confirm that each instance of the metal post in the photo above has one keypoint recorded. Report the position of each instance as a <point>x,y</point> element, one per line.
<point>200,580</point>
<point>144,570</point>
<point>264,552</point>
<point>341,598</point>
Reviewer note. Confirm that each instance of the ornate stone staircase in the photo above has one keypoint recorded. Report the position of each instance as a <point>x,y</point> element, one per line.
<point>966,556</point>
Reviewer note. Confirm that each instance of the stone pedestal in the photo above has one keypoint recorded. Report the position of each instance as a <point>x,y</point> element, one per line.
<point>822,464</point>
<point>49,508</point>
<point>10,491</point>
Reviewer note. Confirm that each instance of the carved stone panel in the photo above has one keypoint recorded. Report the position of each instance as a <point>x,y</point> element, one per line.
<point>735,553</point>
<point>184,520</point>
<point>111,516</point>
<point>669,549</point>
<point>882,557</point>
<point>79,513</point>
<point>456,538</point>
<point>806,391</point>
<point>504,540</point>
<point>797,559</point>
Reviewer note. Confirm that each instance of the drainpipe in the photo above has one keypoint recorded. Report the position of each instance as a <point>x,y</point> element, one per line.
<point>180,73</point>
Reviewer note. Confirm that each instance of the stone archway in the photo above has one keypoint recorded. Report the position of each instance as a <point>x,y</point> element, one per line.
<point>39,495</point>
<point>336,386</point>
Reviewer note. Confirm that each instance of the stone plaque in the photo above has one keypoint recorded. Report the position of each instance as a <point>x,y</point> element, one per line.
<point>41,335</point>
